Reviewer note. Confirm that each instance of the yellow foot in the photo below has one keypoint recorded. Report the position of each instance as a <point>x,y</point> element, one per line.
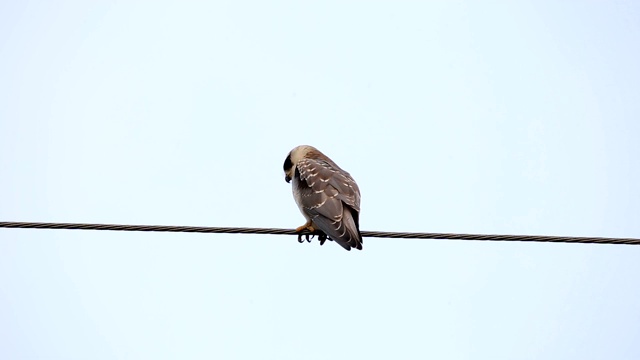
<point>304,228</point>
<point>308,227</point>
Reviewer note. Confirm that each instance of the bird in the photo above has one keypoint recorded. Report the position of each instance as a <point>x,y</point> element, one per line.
<point>326,195</point>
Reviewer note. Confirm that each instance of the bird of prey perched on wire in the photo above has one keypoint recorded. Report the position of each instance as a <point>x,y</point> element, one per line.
<point>327,196</point>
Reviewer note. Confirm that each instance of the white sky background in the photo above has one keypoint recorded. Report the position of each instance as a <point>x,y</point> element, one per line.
<point>453,117</point>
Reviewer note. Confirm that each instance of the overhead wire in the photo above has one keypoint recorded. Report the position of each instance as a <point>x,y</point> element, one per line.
<point>275,231</point>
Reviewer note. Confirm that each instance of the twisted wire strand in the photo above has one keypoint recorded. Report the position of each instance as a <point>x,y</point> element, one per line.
<point>273,231</point>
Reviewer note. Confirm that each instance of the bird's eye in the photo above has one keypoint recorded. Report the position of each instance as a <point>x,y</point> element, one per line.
<point>287,163</point>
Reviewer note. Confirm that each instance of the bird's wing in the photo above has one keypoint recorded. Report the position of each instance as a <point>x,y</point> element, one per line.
<point>320,173</point>
<point>332,199</point>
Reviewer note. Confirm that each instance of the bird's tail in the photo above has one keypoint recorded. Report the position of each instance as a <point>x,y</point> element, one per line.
<point>353,238</point>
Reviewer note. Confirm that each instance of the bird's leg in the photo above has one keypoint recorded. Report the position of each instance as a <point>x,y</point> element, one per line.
<point>305,228</point>
<point>308,226</point>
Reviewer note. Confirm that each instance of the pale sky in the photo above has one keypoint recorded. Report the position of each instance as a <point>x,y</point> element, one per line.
<point>463,117</point>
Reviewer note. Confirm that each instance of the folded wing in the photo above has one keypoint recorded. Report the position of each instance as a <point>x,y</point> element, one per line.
<point>331,198</point>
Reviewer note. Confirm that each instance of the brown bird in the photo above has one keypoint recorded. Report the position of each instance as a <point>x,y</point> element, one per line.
<point>327,196</point>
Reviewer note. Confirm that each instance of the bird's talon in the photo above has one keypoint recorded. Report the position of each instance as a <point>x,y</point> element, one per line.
<point>306,237</point>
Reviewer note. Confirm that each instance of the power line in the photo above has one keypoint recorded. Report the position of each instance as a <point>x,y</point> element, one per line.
<point>271,231</point>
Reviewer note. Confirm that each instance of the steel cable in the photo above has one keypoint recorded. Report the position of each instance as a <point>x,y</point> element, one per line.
<point>272,231</point>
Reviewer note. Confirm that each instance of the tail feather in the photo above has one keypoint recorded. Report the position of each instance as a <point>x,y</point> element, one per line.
<point>345,233</point>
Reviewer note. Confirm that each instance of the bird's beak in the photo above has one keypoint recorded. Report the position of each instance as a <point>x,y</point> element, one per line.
<point>287,178</point>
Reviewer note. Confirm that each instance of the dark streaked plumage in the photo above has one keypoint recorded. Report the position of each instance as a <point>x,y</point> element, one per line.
<point>327,196</point>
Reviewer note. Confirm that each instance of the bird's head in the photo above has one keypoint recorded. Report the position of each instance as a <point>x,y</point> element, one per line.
<point>298,153</point>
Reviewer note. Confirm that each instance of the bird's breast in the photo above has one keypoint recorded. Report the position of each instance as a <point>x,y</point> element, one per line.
<point>297,194</point>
